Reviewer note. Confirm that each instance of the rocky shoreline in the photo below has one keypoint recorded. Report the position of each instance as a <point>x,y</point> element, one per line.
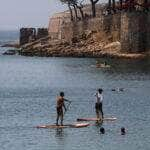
<point>90,46</point>
<point>12,48</point>
<point>14,45</point>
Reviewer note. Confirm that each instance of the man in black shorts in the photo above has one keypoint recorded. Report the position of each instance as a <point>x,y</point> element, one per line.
<point>59,107</point>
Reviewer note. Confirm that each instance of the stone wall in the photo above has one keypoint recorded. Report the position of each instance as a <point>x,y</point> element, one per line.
<point>135,33</point>
<point>55,23</point>
<point>41,32</point>
<point>148,32</point>
<point>28,35</point>
<point>105,25</point>
<point>58,20</point>
<point>130,28</point>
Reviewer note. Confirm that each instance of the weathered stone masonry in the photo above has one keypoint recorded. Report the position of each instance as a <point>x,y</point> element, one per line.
<point>28,35</point>
<point>130,28</point>
<point>135,32</point>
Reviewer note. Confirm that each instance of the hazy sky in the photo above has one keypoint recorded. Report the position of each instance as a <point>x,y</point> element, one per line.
<point>15,14</point>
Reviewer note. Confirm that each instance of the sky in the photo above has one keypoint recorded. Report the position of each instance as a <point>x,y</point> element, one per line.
<point>15,14</point>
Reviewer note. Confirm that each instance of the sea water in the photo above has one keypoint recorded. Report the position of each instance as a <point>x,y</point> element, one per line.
<point>28,90</point>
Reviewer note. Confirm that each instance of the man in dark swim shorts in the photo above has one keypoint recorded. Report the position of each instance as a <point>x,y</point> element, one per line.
<point>59,107</point>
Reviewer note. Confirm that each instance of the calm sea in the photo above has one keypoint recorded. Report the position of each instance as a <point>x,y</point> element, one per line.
<point>28,88</point>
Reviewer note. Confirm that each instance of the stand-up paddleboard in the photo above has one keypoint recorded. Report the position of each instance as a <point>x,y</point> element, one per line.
<point>96,119</point>
<point>76,125</point>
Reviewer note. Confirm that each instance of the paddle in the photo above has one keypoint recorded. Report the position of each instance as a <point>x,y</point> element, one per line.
<point>69,103</point>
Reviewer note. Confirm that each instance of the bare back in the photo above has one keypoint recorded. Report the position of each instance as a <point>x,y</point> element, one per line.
<point>60,102</point>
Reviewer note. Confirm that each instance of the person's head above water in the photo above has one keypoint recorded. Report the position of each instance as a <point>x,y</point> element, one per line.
<point>102,130</point>
<point>100,90</point>
<point>62,94</point>
<point>123,131</point>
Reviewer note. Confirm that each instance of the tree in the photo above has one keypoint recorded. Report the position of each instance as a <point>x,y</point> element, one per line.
<point>93,3</point>
<point>112,5</point>
<point>79,5</point>
<point>76,4</point>
<point>68,2</point>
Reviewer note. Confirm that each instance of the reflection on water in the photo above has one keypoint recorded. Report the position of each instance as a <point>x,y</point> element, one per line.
<point>59,133</point>
<point>28,89</point>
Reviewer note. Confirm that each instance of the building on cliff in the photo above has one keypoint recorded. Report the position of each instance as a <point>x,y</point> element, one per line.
<point>128,25</point>
<point>130,28</point>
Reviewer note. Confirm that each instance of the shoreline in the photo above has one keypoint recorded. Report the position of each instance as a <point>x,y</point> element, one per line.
<point>82,49</point>
<point>88,55</point>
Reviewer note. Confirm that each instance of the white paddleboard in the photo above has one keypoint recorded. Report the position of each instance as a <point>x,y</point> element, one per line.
<point>75,125</point>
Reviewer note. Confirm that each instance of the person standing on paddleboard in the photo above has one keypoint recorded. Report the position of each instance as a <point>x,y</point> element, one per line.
<point>98,104</point>
<point>59,107</point>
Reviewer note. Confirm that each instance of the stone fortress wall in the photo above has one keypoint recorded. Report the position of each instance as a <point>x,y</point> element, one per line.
<point>131,29</point>
<point>28,35</point>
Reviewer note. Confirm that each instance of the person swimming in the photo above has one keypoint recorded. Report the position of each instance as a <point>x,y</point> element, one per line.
<point>123,131</point>
<point>102,65</point>
<point>102,130</point>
